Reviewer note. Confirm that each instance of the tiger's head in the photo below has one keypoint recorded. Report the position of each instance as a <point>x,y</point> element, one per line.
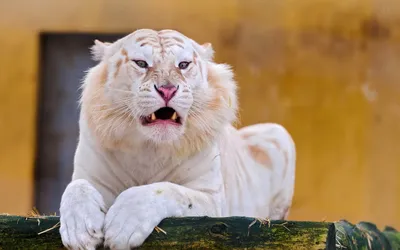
<point>158,87</point>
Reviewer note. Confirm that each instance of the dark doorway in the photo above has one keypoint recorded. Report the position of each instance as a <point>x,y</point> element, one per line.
<point>64,58</point>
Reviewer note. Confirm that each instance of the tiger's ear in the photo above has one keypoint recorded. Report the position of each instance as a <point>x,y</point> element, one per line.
<point>208,51</point>
<point>99,49</point>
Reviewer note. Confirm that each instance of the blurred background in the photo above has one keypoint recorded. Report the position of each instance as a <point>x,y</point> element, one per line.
<point>327,70</point>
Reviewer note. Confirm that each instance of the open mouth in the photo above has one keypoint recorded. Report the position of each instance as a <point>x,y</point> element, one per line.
<point>162,115</point>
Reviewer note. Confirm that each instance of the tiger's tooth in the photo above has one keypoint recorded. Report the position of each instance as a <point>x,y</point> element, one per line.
<point>174,116</point>
<point>153,116</point>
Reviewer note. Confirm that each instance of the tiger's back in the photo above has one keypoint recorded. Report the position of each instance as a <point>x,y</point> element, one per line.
<point>259,170</point>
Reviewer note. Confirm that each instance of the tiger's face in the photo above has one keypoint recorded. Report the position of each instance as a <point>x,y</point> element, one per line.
<point>165,85</point>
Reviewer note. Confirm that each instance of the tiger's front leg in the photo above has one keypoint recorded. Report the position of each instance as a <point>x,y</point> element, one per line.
<point>138,210</point>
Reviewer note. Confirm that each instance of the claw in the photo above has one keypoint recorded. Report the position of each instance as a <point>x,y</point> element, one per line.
<point>159,229</point>
<point>262,222</point>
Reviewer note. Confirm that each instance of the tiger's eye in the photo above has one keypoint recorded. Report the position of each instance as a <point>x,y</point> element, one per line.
<point>141,64</point>
<point>183,65</point>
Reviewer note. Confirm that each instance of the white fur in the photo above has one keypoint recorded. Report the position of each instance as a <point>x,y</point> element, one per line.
<point>127,177</point>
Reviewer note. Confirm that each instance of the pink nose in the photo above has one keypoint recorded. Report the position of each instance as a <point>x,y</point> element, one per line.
<point>167,91</point>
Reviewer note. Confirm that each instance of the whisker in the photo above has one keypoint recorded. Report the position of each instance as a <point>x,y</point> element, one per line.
<point>110,109</point>
<point>121,90</point>
<point>115,103</point>
<point>200,121</point>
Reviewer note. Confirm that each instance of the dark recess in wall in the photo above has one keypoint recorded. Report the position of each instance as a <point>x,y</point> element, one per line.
<point>64,58</point>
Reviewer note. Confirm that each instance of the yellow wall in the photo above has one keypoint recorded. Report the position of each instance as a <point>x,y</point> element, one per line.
<point>328,70</point>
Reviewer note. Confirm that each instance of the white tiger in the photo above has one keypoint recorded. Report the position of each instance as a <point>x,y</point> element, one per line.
<point>157,140</point>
